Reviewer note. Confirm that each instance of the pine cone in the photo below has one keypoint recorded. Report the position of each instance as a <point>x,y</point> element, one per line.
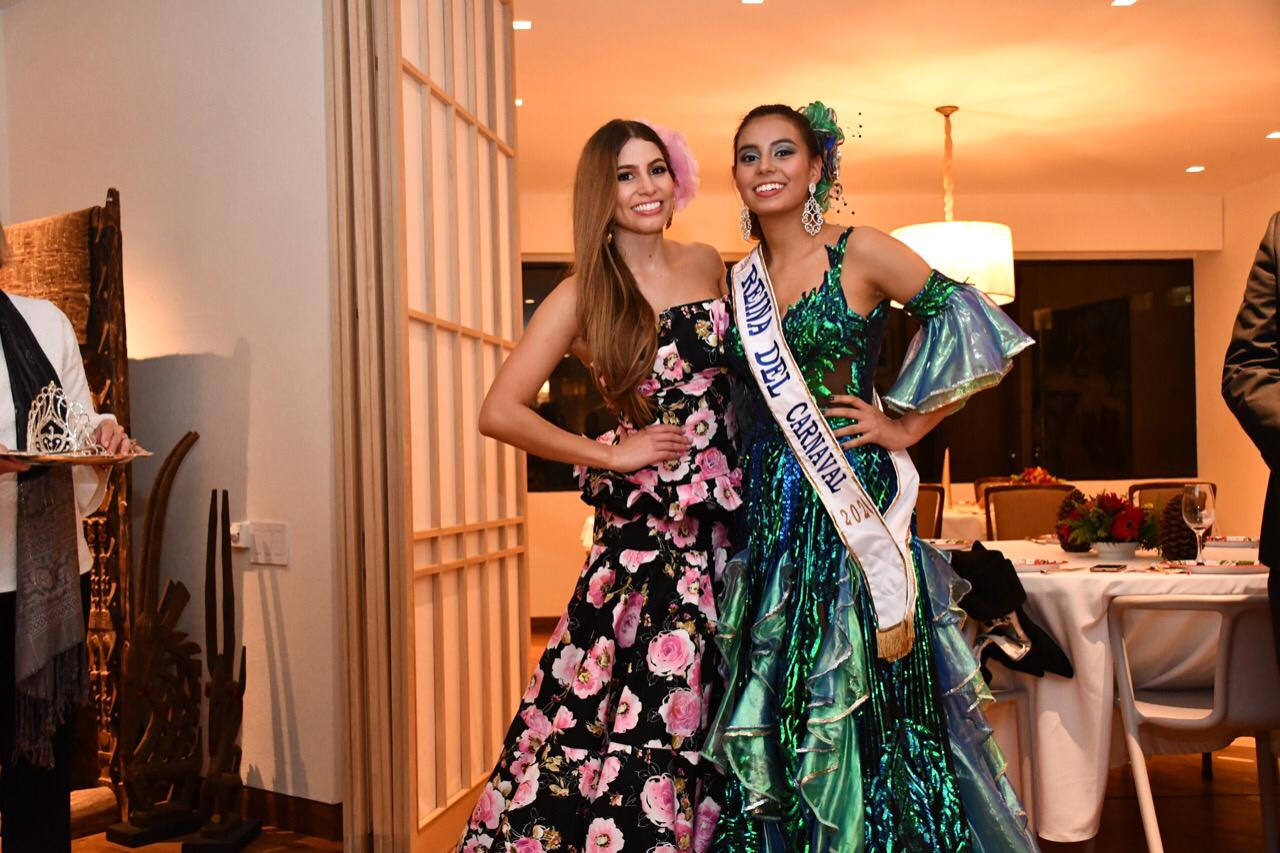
<point>1069,503</point>
<point>1177,541</point>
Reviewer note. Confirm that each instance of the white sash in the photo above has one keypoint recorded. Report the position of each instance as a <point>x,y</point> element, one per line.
<point>879,545</point>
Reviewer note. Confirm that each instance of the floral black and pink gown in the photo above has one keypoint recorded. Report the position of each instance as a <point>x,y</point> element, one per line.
<point>603,754</point>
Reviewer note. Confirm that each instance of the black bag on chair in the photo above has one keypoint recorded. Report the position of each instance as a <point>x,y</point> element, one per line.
<point>1005,632</point>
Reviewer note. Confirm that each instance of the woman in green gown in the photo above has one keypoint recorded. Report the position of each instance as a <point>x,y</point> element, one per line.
<point>828,741</point>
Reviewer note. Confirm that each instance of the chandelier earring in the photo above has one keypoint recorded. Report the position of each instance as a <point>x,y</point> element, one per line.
<point>744,224</point>
<point>811,217</point>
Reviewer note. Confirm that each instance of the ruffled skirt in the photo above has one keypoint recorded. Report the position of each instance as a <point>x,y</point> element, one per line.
<point>828,748</point>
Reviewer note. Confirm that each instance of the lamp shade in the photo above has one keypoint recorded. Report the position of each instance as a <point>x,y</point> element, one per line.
<point>980,253</point>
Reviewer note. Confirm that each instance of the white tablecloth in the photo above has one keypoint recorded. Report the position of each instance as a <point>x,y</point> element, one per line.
<point>1075,718</point>
<point>964,521</point>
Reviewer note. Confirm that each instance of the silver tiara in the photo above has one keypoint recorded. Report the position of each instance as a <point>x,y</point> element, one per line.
<point>58,425</point>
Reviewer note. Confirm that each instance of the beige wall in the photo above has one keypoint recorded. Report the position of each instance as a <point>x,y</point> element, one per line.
<point>1226,454</point>
<point>4,135</point>
<point>210,119</point>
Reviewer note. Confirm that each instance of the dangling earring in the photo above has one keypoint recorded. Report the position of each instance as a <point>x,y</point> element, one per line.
<point>744,224</point>
<point>811,218</point>
<point>608,237</point>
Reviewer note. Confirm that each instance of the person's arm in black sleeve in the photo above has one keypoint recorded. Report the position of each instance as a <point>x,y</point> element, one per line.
<point>1251,372</point>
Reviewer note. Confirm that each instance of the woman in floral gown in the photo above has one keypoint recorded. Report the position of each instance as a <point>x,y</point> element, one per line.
<point>837,736</point>
<point>603,754</point>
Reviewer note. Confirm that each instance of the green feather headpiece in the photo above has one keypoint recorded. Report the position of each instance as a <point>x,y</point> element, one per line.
<point>823,121</point>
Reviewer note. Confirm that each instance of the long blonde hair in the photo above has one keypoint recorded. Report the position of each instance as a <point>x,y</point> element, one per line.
<point>617,321</point>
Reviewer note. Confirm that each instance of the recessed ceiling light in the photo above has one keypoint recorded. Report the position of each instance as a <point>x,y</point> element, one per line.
<point>752,2</point>
<point>1123,2</point>
<point>1194,169</point>
<point>522,25</point>
<point>519,102</point>
<point>1275,134</point>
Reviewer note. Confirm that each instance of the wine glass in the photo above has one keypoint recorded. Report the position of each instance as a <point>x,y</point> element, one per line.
<point>1197,512</point>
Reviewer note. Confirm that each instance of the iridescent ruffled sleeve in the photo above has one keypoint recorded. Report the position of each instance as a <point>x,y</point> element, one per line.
<point>966,344</point>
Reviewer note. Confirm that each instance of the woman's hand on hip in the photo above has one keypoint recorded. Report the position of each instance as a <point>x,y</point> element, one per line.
<point>649,446</point>
<point>872,425</point>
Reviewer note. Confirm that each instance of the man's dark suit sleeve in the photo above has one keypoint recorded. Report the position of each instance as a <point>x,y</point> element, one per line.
<point>1251,373</point>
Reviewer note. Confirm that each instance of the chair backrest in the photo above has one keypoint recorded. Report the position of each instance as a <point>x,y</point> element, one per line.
<point>1016,512</point>
<point>1158,493</point>
<point>929,501</point>
<point>50,259</point>
<point>981,484</point>
<point>1246,677</point>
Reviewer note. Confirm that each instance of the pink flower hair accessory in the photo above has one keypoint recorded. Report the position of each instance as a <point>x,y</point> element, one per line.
<point>684,166</point>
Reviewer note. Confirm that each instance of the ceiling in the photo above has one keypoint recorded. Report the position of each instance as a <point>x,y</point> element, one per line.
<point>1058,96</point>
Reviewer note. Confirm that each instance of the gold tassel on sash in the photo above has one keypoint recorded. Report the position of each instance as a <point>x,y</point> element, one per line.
<point>896,642</point>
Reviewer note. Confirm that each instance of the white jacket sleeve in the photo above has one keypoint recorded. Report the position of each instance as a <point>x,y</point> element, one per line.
<point>90,480</point>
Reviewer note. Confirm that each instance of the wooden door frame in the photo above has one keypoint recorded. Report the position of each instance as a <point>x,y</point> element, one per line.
<point>368,311</point>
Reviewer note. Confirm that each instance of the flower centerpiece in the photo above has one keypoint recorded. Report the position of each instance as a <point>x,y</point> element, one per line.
<point>1035,476</point>
<point>1113,526</point>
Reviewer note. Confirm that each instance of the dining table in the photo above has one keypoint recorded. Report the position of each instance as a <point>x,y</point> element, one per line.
<point>1075,731</point>
<point>964,520</point>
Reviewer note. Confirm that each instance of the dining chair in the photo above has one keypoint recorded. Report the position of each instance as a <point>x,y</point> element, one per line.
<point>929,502</point>
<point>1022,511</point>
<point>981,484</point>
<point>1243,699</point>
<point>1159,492</point>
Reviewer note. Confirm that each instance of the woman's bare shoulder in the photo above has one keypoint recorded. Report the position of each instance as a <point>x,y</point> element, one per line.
<point>564,296</point>
<point>888,265</point>
<point>701,257</point>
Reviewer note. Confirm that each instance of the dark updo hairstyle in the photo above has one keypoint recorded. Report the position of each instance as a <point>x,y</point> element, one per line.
<point>803,128</point>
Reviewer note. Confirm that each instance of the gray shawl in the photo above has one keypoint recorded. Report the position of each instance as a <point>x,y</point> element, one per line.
<point>49,658</point>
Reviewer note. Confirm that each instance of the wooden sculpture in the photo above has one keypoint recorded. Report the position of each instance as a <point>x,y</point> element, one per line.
<point>222,791</point>
<point>160,702</point>
<point>106,365</point>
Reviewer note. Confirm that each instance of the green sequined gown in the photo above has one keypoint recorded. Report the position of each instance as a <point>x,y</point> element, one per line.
<point>826,747</point>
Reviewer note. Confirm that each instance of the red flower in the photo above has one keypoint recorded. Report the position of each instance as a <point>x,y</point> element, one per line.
<point>1111,503</point>
<point>1127,526</point>
<point>1035,475</point>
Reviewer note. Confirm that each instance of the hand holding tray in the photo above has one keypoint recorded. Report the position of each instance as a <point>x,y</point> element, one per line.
<point>83,458</point>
